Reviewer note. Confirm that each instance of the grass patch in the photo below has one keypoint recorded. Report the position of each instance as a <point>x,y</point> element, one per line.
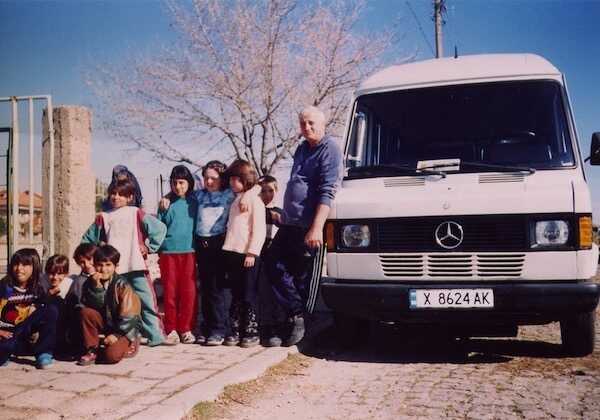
<point>246,392</point>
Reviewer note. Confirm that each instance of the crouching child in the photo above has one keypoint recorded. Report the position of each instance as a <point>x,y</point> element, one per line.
<point>112,308</point>
<point>64,293</point>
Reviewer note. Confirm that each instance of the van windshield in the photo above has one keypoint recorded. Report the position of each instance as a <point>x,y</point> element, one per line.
<point>511,124</point>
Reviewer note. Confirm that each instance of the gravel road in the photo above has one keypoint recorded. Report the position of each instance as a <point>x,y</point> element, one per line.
<point>395,374</point>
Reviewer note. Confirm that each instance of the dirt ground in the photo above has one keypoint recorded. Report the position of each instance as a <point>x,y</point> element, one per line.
<point>394,374</point>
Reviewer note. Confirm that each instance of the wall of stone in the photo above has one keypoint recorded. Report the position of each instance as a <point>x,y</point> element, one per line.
<point>74,181</point>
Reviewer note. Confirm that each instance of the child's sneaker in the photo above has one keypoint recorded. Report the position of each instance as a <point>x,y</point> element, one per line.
<point>88,359</point>
<point>187,338</point>
<point>232,340</point>
<point>133,349</point>
<point>214,340</point>
<point>172,339</point>
<point>270,337</point>
<point>249,341</point>
<point>43,360</point>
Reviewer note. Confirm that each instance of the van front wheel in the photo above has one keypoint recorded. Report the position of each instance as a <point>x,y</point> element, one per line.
<point>578,334</point>
<point>350,330</point>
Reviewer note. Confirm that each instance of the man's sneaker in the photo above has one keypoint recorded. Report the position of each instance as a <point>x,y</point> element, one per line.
<point>214,340</point>
<point>5,363</point>
<point>250,341</point>
<point>201,339</point>
<point>133,348</point>
<point>43,360</point>
<point>172,339</point>
<point>297,332</point>
<point>187,338</point>
<point>232,340</point>
<point>88,359</point>
<point>144,341</point>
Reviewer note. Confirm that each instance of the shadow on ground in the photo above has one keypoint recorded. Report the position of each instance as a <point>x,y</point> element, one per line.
<point>383,343</point>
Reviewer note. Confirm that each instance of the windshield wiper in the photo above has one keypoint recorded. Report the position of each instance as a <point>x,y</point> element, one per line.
<point>393,169</point>
<point>507,168</point>
<point>502,168</point>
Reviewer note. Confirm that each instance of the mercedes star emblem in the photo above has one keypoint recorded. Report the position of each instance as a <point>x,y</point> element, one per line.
<point>449,235</point>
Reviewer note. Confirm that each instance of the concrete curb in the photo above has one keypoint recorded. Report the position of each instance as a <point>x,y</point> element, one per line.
<point>180,404</point>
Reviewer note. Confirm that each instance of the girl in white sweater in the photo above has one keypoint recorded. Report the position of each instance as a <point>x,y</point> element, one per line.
<point>243,243</point>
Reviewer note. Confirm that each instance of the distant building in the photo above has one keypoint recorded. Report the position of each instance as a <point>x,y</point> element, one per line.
<point>23,218</point>
<point>101,193</point>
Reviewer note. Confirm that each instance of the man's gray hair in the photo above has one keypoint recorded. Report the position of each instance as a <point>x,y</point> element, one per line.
<point>311,109</point>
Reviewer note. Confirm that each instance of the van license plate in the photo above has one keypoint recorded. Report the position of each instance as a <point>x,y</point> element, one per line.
<point>451,298</point>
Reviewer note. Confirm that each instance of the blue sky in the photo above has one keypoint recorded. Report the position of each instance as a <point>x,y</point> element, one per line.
<point>47,46</point>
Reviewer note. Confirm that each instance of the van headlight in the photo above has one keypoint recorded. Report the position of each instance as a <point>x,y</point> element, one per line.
<point>551,233</point>
<point>356,236</point>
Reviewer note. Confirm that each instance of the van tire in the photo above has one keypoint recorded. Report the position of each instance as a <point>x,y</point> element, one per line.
<point>578,334</point>
<point>348,329</point>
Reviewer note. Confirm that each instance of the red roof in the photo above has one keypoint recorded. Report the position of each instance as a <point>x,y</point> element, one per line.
<point>23,199</point>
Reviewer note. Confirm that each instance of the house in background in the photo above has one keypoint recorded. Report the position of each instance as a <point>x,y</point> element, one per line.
<point>23,218</point>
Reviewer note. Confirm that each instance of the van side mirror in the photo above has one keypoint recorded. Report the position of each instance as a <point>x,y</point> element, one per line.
<point>361,124</point>
<point>595,149</point>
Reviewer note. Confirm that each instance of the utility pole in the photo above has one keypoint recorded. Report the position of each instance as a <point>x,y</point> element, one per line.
<point>439,7</point>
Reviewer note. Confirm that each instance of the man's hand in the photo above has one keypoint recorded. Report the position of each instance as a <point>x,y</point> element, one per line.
<point>110,340</point>
<point>5,335</point>
<point>314,238</point>
<point>249,261</point>
<point>33,338</point>
<point>164,204</point>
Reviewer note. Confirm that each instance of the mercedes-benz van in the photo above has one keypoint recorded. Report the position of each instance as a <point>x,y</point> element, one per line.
<point>465,201</point>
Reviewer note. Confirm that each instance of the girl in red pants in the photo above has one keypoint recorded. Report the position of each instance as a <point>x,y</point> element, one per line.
<point>177,258</point>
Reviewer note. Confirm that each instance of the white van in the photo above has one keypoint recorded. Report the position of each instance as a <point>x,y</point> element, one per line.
<point>465,202</point>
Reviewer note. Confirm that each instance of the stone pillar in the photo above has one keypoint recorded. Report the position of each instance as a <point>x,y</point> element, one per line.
<point>74,182</point>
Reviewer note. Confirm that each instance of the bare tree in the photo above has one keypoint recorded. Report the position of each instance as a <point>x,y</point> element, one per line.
<point>238,75</point>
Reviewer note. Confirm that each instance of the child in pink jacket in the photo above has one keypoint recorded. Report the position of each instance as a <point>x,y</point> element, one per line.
<point>243,243</point>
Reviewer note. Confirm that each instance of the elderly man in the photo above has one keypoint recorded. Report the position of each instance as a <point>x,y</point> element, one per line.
<point>295,257</point>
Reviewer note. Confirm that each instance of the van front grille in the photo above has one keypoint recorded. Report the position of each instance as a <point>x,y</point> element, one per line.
<point>487,233</point>
<point>463,266</point>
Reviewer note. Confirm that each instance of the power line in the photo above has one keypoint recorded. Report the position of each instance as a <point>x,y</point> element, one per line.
<point>420,28</point>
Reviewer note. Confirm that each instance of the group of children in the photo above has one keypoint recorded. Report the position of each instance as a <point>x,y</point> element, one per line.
<point>213,236</point>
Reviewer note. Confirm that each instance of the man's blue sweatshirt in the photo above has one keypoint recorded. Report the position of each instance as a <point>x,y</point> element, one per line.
<point>315,178</point>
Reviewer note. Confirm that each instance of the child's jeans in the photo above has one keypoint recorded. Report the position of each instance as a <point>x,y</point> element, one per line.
<point>42,320</point>
<point>178,278</point>
<point>244,291</point>
<point>92,325</point>
<point>152,327</point>
<point>209,255</point>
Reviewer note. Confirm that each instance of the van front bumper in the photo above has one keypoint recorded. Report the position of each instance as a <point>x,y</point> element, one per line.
<point>514,303</point>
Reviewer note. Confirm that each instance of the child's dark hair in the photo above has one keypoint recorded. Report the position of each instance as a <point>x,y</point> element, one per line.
<point>57,264</point>
<point>84,251</point>
<point>106,253</point>
<point>244,171</point>
<point>123,187</point>
<point>267,179</point>
<point>26,256</point>
<point>220,168</point>
<point>181,172</point>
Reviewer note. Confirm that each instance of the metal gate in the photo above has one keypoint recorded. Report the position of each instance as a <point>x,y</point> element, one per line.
<point>21,207</point>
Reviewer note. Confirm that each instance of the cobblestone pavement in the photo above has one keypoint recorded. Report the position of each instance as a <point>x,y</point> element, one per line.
<point>397,374</point>
<point>146,386</point>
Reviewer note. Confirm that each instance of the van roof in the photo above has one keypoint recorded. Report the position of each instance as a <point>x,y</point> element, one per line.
<point>465,69</point>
